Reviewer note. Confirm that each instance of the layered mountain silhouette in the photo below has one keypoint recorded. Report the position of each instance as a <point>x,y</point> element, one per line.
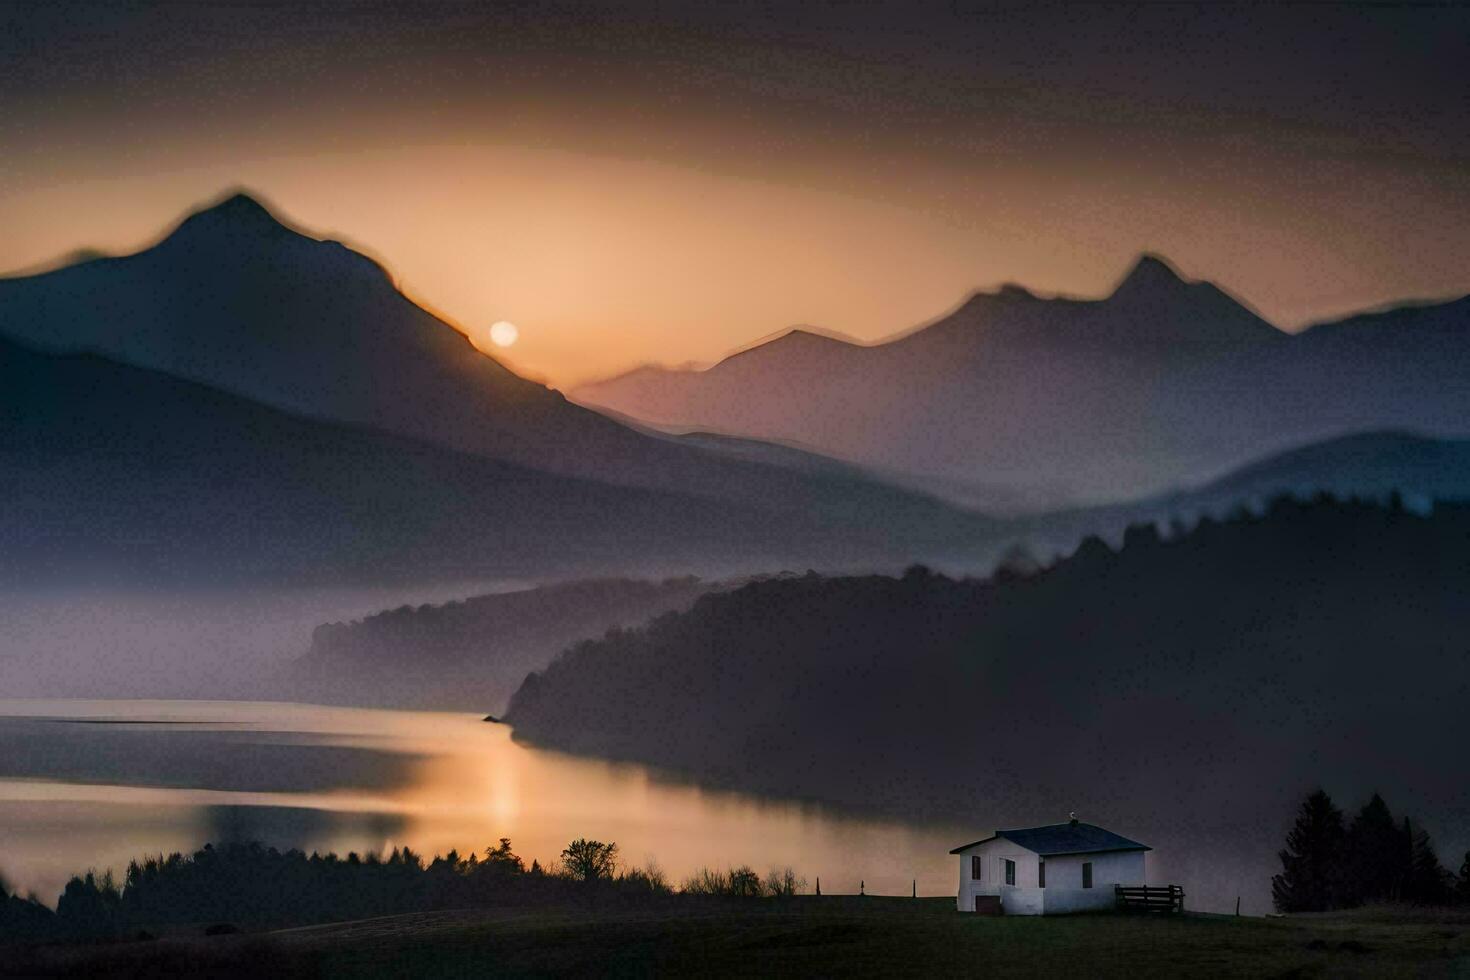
<point>243,401</point>
<point>1019,402</point>
<point>380,414</point>
<point>118,474</point>
<point>471,654</point>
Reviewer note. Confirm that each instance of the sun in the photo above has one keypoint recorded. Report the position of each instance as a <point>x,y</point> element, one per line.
<point>503,333</point>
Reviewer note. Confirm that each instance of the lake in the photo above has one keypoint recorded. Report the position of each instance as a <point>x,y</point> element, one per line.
<point>94,783</point>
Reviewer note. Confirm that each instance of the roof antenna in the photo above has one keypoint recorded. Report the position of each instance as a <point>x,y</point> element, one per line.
<point>1073,817</point>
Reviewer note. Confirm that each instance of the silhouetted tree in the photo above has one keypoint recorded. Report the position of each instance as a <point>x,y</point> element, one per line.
<point>784,882</point>
<point>1378,854</point>
<point>1018,562</point>
<point>745,883</point>
<point>589,860</point>
<point>248,885</point>
<point>24,918</point>
<point>502,860</point>
<point>90,904</point>
<point>1462,884</point>
<point>1428,882</point>
<point>1312,863</point>
<point>649,880</point>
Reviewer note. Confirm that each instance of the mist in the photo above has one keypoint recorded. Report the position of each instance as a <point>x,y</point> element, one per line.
<point>153,644</point>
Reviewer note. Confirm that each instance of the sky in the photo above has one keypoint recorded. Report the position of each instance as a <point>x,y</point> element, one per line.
<point>633,183</point>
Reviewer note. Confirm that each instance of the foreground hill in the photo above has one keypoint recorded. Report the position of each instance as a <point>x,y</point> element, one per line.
<point>1187,689</point>
<point>807,935</point>
<point>1162,382</point>
<point>473,654</point>
<point>115,474</point>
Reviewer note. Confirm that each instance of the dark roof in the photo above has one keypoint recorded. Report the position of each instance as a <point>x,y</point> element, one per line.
<point>1063,838</point>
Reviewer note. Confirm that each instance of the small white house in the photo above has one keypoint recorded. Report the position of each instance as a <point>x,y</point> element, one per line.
<point>1065,867</point>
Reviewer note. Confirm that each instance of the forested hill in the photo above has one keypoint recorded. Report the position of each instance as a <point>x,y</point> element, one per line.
<point>472,654</point>
<point>1199,681</point>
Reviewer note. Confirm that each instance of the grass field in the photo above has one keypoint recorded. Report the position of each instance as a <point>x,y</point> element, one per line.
<point>804,936</point>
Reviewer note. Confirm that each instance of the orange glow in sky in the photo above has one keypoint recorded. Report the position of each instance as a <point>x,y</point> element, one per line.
<point>673,185</point>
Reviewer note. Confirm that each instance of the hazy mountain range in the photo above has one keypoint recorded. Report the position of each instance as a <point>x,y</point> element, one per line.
<point>1017,402</point>
<point>121,475</point>
<point>472,654</point>
<point>242,402</point>
<point>285,412</point>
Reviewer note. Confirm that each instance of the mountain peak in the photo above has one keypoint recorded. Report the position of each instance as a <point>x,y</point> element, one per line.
<point>240,202</point>
<point>1012,290</point>
<point>1151,273</point>
<point>236,213</point>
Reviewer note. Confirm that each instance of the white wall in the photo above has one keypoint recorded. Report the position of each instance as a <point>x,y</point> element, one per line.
<point>1063,891</point>
<point>1023,900</point>
<point>993,855</point>
<point>1108,869</point>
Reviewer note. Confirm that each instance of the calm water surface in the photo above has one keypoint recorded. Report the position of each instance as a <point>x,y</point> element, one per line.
<point>86,783</point>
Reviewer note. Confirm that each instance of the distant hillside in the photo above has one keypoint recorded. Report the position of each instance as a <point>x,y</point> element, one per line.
<point>471,655</point>
<point>1187,689</point>
<point>118,475</point>
<point>1013,396</point>
<point>1370,466</point>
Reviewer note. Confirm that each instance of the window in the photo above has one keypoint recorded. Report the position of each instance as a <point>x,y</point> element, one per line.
<point>975,867</point>
<point>1041,873</point>
<point>1087,874</point>
<point>1010,872</point>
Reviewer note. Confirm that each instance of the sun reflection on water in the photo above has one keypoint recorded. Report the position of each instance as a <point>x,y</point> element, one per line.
<point>364,780</point>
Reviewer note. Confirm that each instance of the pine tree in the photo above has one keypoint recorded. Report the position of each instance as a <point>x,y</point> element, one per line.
<point>1462,886</point>
<point>1428,881</point>
<point>1378,855</point>
<point>1311,864</point>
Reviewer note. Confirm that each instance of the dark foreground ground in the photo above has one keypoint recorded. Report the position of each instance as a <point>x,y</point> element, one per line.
<point>805,936</point>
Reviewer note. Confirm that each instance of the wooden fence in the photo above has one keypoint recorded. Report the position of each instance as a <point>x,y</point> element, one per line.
<point>1143,898</point>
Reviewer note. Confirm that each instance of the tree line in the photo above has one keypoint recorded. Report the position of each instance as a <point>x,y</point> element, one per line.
<point>1331,863</point>
<point>250,885</point>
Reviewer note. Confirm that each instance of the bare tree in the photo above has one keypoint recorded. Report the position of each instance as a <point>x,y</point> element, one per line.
<point>784,882</point>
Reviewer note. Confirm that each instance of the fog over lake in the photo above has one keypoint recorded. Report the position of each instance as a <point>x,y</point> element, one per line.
<point>151,644</point>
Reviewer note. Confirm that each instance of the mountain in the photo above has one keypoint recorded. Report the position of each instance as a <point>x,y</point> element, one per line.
<point>1190,688</point>
<point>237,301</point>
<point>471,655</point>
<point>118,474</point>
<point>1369,466</point>
<point>1061,400</point>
